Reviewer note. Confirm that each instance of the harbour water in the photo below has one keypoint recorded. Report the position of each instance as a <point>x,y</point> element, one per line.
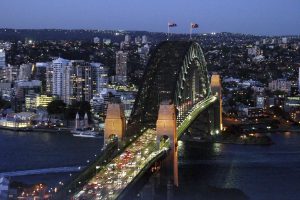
<point>21,151</point>
<point>206,171</point>
<point>227,171</point>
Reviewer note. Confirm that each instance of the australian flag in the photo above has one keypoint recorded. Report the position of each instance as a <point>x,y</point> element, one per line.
<point>194,25</point>
<point>172,24</point>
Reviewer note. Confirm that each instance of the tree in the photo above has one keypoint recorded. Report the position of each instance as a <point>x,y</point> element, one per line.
<point>80,107</point>
<point>4,104</point>
<point>56,107</point>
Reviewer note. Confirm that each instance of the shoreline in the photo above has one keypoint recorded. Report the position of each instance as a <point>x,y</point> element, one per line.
<point>47,130</point>
<point>66,131</point>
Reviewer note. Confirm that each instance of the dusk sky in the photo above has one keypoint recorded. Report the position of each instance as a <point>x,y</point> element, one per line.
<point>271,17</point>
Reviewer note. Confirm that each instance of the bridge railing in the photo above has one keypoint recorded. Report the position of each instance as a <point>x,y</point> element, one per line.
<point>153,157</point>
<point>199,107</point>
<point>81,179</point>
<point>113,149</point>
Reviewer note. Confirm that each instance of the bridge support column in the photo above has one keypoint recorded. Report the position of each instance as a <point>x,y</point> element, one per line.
<point>216,89</point>
<point>166,126</point>
<point>115,122</point>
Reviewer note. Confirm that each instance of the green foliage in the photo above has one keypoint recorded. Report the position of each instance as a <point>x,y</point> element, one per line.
<point>4,104</point>
<point>56,107</point>
<point>280,112</point>
<point>233,130</point>
<point>80,107</point>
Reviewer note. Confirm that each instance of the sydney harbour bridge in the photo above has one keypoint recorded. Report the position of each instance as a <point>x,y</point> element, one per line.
<point>176,99</point>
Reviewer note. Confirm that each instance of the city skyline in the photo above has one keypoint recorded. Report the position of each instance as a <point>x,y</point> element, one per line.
<point>251,17</point>
<point>126,99</point>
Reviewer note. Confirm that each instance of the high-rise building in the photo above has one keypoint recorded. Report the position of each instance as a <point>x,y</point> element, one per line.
<point>12,73</point>
<point>49,79</point>
<point>99,102</point>
<point>281,85</point>
<point>96,40</point>
<point>57,75</point>
<point>254,51</point>
<point>67,80</point>
<point>106,41</point>
<point>2,58</point>
<point>144,39</point>
<point>24,88</point>
<point>36,100</point>
<point>40,73</point>
<point>260,102</point>
<point>79,81</point>
<point>121,66</point>
<point>138,40</point>
<point>284,40</point>
<point>299,79</point>
<point>102,76</point>
<point>75,80</point>
<point>25,72</point>
<point>127,39</point>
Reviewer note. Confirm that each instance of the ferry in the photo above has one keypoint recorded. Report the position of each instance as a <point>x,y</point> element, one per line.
<point>85,133</point>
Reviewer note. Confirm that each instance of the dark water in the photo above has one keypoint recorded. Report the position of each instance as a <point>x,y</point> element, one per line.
<point>219,171</point>
<point>26,150</point>
<point>206,171</point>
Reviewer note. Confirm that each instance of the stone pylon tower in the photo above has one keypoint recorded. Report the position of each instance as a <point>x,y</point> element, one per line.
<point>166,126</point>
<point>216,89</point>
<point>115,123</point>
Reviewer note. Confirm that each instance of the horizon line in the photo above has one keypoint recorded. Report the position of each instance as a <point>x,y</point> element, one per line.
<point>123,30</point>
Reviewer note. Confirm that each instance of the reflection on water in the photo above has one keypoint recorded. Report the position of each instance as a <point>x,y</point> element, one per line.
<point>287,134</point>
<point>224,171</point>
<point>217,148</point>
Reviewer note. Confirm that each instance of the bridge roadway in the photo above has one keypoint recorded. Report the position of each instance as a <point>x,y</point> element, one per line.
<point>113,178</point>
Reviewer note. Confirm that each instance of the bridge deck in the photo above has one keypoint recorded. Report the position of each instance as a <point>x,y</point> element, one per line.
<point>110,181</point>
<point>113,178</point>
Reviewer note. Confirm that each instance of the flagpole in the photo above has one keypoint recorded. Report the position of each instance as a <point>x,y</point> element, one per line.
<point>191,31</point>
<point>168,31</point>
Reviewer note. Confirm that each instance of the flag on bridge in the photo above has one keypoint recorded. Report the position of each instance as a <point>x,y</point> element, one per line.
<point>172,24</point>
<point>194,25</point>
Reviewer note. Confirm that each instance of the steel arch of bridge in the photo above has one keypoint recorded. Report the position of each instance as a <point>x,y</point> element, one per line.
<point>175,74</point>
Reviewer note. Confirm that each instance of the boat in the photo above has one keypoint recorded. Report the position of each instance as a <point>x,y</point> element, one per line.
<point>85,133</point>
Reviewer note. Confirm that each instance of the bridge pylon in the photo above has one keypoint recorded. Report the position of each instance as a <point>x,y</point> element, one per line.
<point>216,89</point>
<point>115,123</point>
<point>166,126</point>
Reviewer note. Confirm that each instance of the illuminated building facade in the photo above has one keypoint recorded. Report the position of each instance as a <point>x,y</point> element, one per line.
<point>75,80</point>
<point>35,101</point>
<point>121,66</point>
<point>2,58</point>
